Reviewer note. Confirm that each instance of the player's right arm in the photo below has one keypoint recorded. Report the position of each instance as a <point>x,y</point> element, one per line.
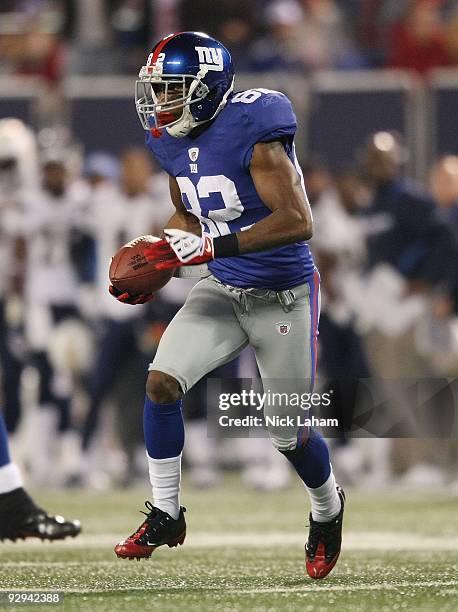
<point>181,219</point>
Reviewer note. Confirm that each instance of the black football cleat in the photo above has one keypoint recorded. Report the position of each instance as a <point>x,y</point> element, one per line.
<point>21,518</point>
<point>158,529</point>
<point>324,543</point>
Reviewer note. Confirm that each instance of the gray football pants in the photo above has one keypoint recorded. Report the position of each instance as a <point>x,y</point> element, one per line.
<point>217,322</point>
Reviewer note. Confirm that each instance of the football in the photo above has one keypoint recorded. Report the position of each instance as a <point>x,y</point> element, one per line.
<point>130,271</point>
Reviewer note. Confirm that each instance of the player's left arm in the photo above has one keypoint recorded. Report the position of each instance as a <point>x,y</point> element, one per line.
<point>279,186</point>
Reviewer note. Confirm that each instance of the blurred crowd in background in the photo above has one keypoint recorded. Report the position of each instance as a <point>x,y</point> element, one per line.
<point>52,38</point>
<point>73,361</point>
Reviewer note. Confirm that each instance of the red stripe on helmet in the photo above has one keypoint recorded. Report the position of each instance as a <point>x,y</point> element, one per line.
<point>161,45</point>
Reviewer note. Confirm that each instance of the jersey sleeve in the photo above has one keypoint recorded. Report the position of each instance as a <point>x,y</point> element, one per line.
<point>269,117</point>
<point>158,150</point>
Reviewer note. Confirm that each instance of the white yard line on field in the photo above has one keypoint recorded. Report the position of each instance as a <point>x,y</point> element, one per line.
<point>351,541</point>
<point>385,586</point>
<point>307,587</point>
<point>370,541</point>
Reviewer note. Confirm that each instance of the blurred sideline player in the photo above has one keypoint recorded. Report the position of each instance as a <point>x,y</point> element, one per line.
<point>444,188</point>
<point>339,248</point>
<point>411,254</point>
<point>51,283</point>
<point>20,517</point>
<point>240,207</point>
<point>18,177</point>
<point>118,210</point>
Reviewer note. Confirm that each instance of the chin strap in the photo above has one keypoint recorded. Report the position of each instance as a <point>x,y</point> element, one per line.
<point>182,127</point>
<point>187,121</point>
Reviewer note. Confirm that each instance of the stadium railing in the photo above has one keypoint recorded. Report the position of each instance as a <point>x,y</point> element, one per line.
<point>336,110</point>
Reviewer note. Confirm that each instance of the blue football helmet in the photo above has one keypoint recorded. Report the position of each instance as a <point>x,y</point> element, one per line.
<point>186,82</point>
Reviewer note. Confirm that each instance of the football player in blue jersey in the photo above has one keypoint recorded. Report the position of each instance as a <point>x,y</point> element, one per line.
<point>241,208</point>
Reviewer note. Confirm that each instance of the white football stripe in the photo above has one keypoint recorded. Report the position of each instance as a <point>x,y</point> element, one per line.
<point>304,589</point>
<point>370,541</point>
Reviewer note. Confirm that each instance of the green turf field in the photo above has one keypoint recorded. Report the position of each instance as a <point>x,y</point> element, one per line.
<point>244,551</point>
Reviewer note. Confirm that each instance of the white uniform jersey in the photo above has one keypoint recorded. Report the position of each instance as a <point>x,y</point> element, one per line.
<point>337,232</point>
<point>341,235</point>
<point>160,198</point>
<point>17,183</point>
<point>115,219</point>
<point>11,227</point>
<point>51,277</point>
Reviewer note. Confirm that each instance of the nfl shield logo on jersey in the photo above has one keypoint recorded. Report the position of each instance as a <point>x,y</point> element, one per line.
<point>283,327</point>
<point>193,153</point>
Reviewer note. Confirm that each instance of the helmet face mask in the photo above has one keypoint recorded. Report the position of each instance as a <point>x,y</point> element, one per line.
<point>185,85</point>
<point>161,102</point>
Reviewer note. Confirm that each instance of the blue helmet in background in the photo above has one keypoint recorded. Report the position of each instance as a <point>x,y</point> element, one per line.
<point>186,82</point>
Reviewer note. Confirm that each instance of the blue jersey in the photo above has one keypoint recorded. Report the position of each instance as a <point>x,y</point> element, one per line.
<point>212,171</point>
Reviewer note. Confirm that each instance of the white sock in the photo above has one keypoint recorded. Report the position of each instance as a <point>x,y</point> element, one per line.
<point>165,476</point>
<point>325,500</point>
<point>10,478</point>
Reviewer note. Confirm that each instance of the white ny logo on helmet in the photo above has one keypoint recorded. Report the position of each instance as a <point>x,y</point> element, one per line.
<point>210,58</point>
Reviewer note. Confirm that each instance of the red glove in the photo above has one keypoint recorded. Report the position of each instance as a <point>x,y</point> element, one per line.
<point>180,248</point>
<point>126,298</point>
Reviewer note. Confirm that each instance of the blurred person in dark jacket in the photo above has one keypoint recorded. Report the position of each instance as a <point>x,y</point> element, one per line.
<point>411,253</point>
<point>440,333</point>
<point>444,188</point>
<point>406,232</point>
<point>443,181</point>
<point>278,49</point>
<point>232,21</point>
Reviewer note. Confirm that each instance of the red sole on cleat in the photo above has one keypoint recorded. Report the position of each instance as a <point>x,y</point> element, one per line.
<point>125,555</point>
<point>321,570</point>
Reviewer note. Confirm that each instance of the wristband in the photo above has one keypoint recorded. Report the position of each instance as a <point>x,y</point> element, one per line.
<point>226,246</point>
